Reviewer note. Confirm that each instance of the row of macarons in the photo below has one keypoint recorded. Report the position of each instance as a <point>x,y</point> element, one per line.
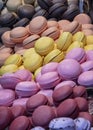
<point>65,123</point>
<point>82,62</point>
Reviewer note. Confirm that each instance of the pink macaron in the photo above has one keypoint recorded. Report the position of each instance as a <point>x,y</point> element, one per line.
<point>86,79</point>
<point>6,97</point>
<point>87,66</point>
<point>78,54</point>
<point>66,83</point>
<point>26,88</point>
<point>49,80</point>
<point>69,69</point>
<point>9,81</point>
<point>89,55</point>
<point>49,67</point>
<point>24,75</point>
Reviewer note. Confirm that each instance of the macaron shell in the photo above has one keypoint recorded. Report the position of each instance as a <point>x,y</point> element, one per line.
<point>44,49</point>
<point>52,24</point>
<point>87,66</point>
<point>88,47</point>
<point>3,57</point>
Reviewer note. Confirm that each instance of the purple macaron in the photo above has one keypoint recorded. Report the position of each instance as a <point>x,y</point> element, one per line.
<point>78,54</point>
<point>89,55</point>
<point>87,66</point>
<point>69,69</point>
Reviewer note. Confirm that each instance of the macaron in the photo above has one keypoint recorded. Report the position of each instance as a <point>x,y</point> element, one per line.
<point>89,55</point>
<point>82,123</point>
<point>8,69</point>
<point>56,9</point>
<point>14,59</point>
<point>26,11</point>
<point>21,52</point>
<point>87,32</point>
<point>4,49</point>
<point>62,123</point>
<point>36,27</point>
<point>88,47</point>
<point>21,122</point>
<point>87,26</point>
<point>65,110</point>
<point>3,30</point>
<point>21,23</point>
<point>34,63</point>
<point>18,34</point>
<point>49,67</point>
<point>6,39</point>
<point>89,39</point>
<point>46,4</point>
<point>44,49</point>
<point>64,41</point>
<point>79,36</point>
<point>80,56</point>
<point>52,32</point>
<point>80,91</point>
<point>86,79</point>
<point>29,42</point>
<point>21,101</point>
<point>87,66</point>
<point>3,57</point>
<point>54,56</point>
<point>6,117</point>
<point>66,83</point>
<point>18,47</point>
<point>87,116</point>
<point>61,94</point>
<point>24,75</point>
<point>35,101</point>
<point>52,23</point>
<point>48,80</point>
<point>29,52</point>
<point>17,111</point>
<point>75,44</point>
<point>38,116</point>
<point>82,104</point>
<point>6,97</point>
<point>83,19</point>
<point>26,89</point>
<point>9,81</point>
<point>13,7</point>
<point>63,24</point>
<point>66,72</point>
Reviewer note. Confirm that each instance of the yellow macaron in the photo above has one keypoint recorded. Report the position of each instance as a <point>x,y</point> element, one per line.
<point>89,39</point>
<point>37,72</point>
<point>54,56</point>
<point>29,52</point>
<point>79,36</point>
<point>75,44</point>
<point>14,59</point>
<point>44,45</point>
<point>33,62</point>
<point>88,47</point>
<point>8,69</point>
<point>64,41</point>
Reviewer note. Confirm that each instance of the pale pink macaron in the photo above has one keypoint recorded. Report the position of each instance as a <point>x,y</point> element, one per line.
<point>49,80</point>
<point>87,66</point>
<point>66,83</point>
<point>7,97</point>
<point>26,88</point>
<point>24,75</point>
<point>50,67</point>
<point>21,102</point>
<point>77,54</point>
<point>69,69</point>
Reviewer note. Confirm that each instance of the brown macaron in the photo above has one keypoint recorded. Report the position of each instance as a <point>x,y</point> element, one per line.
<point>4,49</point>
<point>87,26</point>
<point>82,104</point>
<point>36,101</point>
<point>63,23</point>
<point>68,108</point>
<point>87,116</point>
<point>18,34</point>
<point>5,117</point>
<point>29,42</point>
<point>43,115</point>
<point>79,91</point>
<point>3,57</point>
<point>20,123</point>
<point>38,25</point>
<point>17,111</point>
<point>18,47</point>
<point>62,94</point>
<point>83,19</point>
<point>6,40</point>
<point>52,32</point>
<point>52,23</point>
